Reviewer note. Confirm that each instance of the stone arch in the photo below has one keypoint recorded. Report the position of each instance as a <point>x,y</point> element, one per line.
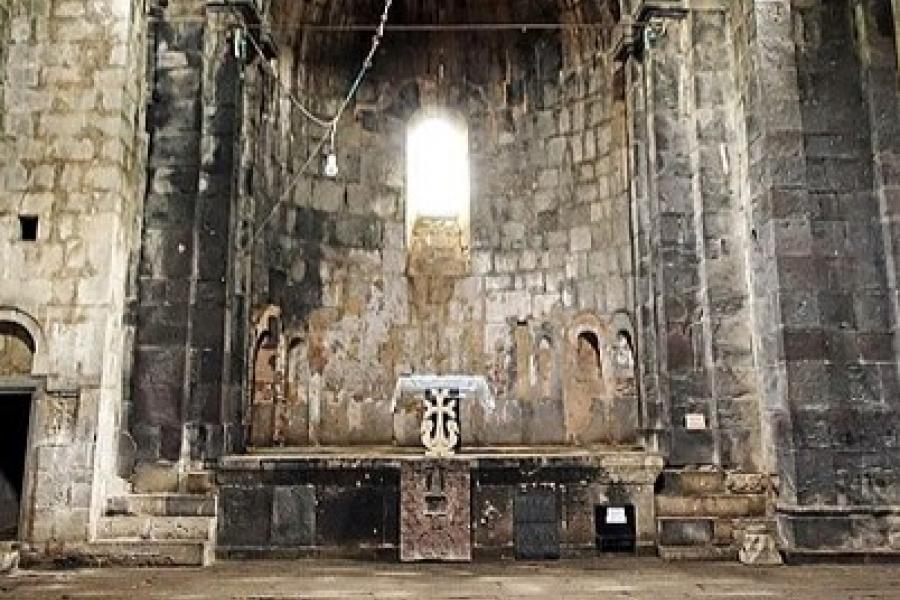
<point>24,327</point>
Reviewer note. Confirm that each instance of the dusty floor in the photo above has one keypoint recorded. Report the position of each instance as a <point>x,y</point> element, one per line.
<point>570,580</point>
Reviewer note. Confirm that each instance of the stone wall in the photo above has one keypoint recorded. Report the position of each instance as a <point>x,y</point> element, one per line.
<point>818,82</point>
<point>548,248</point>
<point>69,152</point>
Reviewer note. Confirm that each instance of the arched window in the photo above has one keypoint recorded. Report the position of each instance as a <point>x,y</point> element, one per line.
<point>437,169</point>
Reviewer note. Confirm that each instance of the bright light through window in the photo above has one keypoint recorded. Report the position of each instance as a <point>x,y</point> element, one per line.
<point>437,163</point>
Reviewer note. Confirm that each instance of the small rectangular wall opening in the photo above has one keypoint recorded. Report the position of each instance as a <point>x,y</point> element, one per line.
<point>615,528</point>
<point>28,228</point>
<point>15,412</point>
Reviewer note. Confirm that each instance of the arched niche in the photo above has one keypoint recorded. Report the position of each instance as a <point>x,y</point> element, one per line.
<point>623,345</point>
<point>544,366</point>
<point>295,417</point>
<point>588,341</point>
<point>585,389</point>
<point>265,364</point>
<point>588,357</point>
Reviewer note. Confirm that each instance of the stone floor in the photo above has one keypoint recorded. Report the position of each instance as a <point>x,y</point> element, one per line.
<point>641,579</point>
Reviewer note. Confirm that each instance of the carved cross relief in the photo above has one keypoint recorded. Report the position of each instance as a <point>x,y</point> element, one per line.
<point>440,422</point>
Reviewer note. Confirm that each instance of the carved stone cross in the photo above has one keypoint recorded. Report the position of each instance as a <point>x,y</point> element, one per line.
<point>440,424</point>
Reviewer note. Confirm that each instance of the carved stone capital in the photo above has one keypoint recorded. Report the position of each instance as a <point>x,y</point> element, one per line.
<point>631,33</point>
<point>644,10</point>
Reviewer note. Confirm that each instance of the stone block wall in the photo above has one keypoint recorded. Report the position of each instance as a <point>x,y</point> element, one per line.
<point>329,507</point>
<point>548,248</point>
<point>818,83</point>
<point>70,153</point>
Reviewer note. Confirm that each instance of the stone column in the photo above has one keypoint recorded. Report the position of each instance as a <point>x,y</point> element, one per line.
<point>880,89</point>
<point>653,387</point>
<point>184,383</point>
<point>672,314</point>
<point>774,183</point>
<point>823,275</point>
<point>692,235</point>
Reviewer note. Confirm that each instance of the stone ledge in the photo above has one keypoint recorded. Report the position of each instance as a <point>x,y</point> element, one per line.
<point>726,505</point>
<point>805,556</point>
<point>836,510</point>
<point>379,552</point>
<point>166,505</point>
<point>126,553</point>
<point>673,553</point>
<point>162,528</point>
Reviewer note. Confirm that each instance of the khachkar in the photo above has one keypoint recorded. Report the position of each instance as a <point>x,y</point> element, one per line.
<point>440,422</point>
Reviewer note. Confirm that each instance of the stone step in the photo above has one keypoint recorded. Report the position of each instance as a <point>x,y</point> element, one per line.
<point>146,527</point>
<point>723,505</point>
<point>169,479</point>
<point>690,482</point>
<point>162,505</point>
<point>685,531</point>
<point>697,553</point>
<point>150,553</point>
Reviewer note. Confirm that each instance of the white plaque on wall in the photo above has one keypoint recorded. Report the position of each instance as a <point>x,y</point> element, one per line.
<point>615,515</point>
<point>695,421</point>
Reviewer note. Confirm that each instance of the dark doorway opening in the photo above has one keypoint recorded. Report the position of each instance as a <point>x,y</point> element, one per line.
<point>15,411</point>
<point>615,528</point>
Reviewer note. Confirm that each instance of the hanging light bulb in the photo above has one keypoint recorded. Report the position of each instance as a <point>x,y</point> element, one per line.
<point>331,164</point>
<point>239,46</point>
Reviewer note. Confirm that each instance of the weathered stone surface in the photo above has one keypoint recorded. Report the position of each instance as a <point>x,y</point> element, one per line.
<point>435,504</point>
<point>759,548</point>
<point>685,532</point>
<point>679,235</point>
<point>293,516</point>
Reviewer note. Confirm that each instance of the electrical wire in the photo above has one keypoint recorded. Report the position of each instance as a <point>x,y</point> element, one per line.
<point>400,28</point>
<point>325,123</point>
<point>367,64</point>
<point>289,188</point>
<point>332,129</point>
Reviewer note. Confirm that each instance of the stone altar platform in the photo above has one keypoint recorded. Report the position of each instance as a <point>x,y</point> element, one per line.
<point>522,502</point>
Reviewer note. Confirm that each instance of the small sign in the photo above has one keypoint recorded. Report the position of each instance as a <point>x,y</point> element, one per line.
<point>695,421</point>
<point>615,515</point>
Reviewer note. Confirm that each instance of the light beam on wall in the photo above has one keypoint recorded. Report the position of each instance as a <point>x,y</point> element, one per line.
<point>437,168</point>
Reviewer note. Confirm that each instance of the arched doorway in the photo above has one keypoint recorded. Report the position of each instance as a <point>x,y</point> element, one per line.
<point>17,352</point>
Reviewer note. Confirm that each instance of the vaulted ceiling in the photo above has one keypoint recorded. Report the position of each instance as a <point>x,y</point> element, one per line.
<point>313,26</point>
